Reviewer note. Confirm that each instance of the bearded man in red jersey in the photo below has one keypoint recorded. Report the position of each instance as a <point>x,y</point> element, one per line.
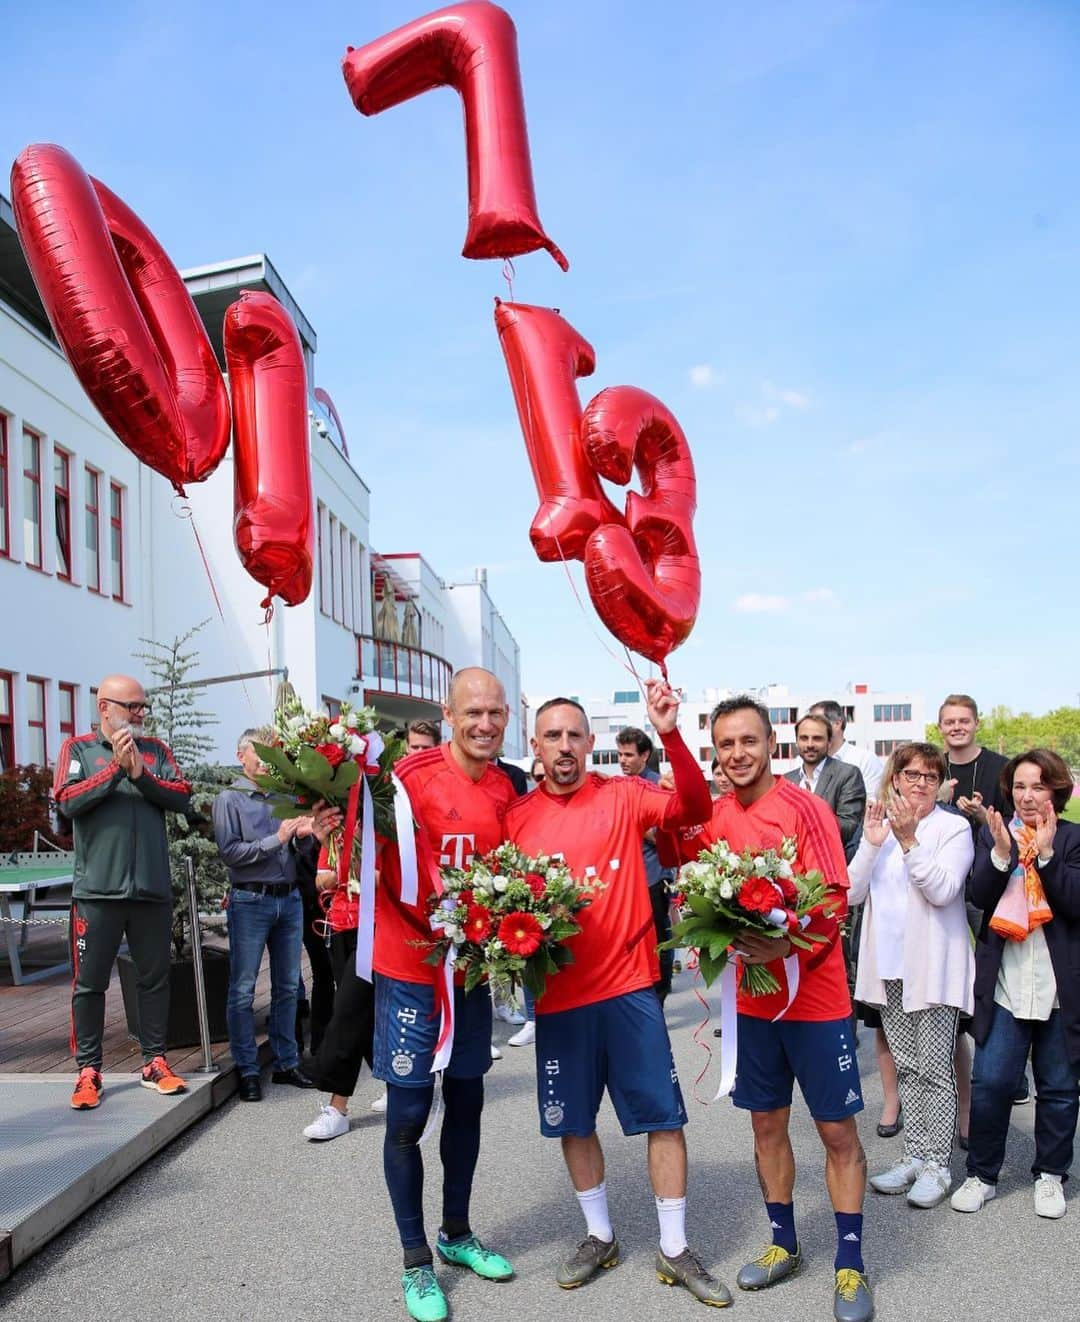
<point>783,1037</point>
<point>599,1024</point>
<point>459,799</point>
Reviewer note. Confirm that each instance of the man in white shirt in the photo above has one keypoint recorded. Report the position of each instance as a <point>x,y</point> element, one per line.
<point>869,764</point>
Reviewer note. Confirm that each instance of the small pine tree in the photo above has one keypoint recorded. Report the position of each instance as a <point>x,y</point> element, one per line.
<point>179,719</point>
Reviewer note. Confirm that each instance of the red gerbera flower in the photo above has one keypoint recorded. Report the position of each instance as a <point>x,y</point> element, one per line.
<point>758,895</point>
<point>478,923</point>
<point>334,753</point>
<point>536,884</point>
<point>521,934</point>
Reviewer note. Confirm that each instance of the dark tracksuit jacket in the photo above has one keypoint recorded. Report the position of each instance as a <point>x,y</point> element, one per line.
<point>122,881</point>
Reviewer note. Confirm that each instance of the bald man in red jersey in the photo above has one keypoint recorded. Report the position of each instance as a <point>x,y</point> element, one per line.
<point>599,1024</point>
<point>459,800</point>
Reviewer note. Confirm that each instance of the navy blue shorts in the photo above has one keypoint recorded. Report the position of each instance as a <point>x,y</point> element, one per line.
<point>820,1054</point>
<point>407,1030</point>
<point>620,1044</point>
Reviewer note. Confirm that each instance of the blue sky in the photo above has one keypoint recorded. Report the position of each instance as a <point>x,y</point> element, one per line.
<point>840,240</point>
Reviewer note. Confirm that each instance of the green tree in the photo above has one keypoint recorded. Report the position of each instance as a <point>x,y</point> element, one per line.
<point>180,720</point>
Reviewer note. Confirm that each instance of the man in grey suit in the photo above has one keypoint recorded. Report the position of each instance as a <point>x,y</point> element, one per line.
<point>838,783</point>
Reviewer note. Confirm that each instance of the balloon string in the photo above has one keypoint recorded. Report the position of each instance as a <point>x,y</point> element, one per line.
<point>508,274</point>
<point>628,663</point>
<point>182,509</point>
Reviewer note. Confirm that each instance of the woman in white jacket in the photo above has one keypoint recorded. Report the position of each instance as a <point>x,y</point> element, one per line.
<point>915,959</point>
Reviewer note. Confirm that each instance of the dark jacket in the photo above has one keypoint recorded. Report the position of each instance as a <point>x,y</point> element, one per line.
<point>1061,882</point>
<point>121,850</point>
<point>842,787</point>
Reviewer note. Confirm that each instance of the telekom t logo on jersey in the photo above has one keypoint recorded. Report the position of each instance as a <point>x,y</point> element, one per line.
<point>457,851</point>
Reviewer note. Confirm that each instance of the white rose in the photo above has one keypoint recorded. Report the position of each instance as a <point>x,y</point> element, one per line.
<point>761,866</point>
<point>500,884</point>
<point>357,745</point>
<point>352,720</point>
<point>785,870</point>
<point>726,889</point>
<point>337,731</point>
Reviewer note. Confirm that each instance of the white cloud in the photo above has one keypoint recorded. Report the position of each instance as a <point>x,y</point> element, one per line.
<point>751,602</point>
<point>757,415</point>
<point>704,376</point>
<point>792,399</point>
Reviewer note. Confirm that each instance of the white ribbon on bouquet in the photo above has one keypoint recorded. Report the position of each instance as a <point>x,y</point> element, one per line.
<point>365,930</point>
<point>729,1019</point>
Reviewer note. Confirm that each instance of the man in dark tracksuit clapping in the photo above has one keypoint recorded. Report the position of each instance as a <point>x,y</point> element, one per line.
<point>116,785</point>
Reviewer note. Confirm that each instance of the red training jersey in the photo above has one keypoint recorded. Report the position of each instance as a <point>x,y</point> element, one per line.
<point>457,817</point>
<point>598,831</point>
<point>786,810</point>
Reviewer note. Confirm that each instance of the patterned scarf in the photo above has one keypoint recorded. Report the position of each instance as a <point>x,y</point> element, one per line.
<point>1023,905</point>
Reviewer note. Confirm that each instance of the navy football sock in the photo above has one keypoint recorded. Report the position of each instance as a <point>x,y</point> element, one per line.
<point>849,1241</point>
<point>782,1221</point>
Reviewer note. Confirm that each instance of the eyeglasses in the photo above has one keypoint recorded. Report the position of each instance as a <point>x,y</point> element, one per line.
<point>927,777</point>
<point>132,708</point>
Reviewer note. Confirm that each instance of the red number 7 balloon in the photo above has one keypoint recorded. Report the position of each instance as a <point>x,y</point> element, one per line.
<point>642,569</point>
<point>471,47</point>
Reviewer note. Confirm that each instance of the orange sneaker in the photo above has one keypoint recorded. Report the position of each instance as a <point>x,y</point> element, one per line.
<point>88,1089</point>
<point>159,1076</point>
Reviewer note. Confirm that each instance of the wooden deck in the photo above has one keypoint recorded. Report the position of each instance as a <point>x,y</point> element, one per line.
<point>35,1019</point>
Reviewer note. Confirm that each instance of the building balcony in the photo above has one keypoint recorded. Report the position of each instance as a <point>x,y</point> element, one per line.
<point>401,682</point>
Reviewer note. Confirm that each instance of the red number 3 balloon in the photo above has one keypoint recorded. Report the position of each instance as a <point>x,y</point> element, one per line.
<point>642,568</point>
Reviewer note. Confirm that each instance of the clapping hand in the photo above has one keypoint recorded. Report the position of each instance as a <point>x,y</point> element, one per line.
<point>902,819</point>
<point>875,825</point>
<point>1000,832</point>
<point>324,822</point>
<point>1046,829</point>
<point>127,754</point>
<point>973,807</point>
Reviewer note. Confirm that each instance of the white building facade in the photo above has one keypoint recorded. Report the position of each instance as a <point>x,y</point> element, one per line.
<point>880,721</point>
<point>98,554</point>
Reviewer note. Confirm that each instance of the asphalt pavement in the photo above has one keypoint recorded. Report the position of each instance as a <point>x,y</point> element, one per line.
<point>242,1218</point>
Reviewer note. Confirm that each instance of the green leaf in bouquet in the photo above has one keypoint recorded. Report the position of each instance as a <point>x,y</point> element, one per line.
<point>315,769</point>
<point>475,974</point>
<point>284,809</point>
<point>562,955</point>
<point>718,945</point>
<point>710,968</point>
<point>345,777</point>
<point>277,758</point>
<point>434,956</point>
<point>700,905</point>
<point>534,977</point>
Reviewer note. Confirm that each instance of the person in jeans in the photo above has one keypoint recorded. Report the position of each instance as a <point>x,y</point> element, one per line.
<point>914,959</point>
<point>1026,880</point>
<point>116,785</point>
<point>264,911</point>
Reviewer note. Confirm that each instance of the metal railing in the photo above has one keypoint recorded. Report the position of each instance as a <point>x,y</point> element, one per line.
<point>394,668</point>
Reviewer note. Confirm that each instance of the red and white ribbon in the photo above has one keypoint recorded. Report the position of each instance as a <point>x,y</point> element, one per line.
<point>365,929</point>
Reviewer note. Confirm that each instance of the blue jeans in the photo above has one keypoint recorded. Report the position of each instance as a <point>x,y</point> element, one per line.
<point>259,922</point>
<point>998,1064</point>
<point>530,1005</point>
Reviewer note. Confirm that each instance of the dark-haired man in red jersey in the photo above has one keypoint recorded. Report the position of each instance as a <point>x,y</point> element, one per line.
<point>599,1024</point>
<point>459,799</point>
<point>809,1039</point>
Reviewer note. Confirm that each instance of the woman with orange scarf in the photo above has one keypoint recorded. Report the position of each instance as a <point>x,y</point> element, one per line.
<point>1026,879</point>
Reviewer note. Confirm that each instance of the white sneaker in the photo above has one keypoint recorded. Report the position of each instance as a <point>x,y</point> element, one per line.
<point>525,1036</point>
<point>509,1014</point>
<point>1049,1196</point>
<point>930,1188</point>
<point>972,1194</point>
<point>379,1104</point>
<point>329,1123</point>
<point>496,1054</point>
<point>899,1178</point>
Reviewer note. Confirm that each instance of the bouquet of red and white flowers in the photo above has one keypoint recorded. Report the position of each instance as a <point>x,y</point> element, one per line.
<point>508,916</point>
<point>725,893</point>
<point>322,757</point>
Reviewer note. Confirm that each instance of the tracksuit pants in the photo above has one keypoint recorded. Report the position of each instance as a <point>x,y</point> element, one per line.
<point>97,929</point>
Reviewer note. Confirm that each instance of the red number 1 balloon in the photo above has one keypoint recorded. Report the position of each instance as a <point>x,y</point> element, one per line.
<point>642,569</point>
<point>471,47</point>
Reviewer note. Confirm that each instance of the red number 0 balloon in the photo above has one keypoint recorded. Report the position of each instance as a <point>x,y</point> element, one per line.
<point>471,47</point>
<point>122,315</point>
<point>273,528</point>
<point>642,569</point>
